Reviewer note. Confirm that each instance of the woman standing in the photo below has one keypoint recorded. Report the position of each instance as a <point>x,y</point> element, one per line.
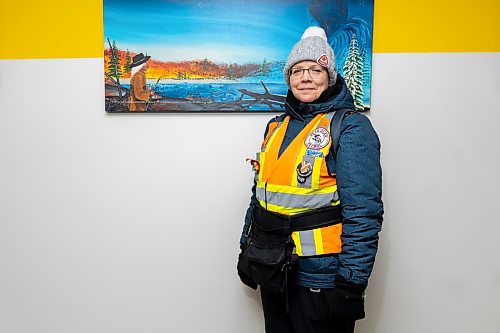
<point>328,193</point>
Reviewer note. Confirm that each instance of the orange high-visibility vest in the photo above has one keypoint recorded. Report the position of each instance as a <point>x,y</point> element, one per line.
<point>298,181</point>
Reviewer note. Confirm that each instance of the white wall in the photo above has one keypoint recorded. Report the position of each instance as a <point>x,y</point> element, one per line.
<point>130,222</point>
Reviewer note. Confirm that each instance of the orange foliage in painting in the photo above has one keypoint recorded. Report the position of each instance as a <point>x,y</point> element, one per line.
<point>194,69</point>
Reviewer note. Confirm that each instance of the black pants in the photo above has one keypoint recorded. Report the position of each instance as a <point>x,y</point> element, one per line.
<point>308,313</point>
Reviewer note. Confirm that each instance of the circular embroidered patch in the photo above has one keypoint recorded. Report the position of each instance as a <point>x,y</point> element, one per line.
<point>323,60</point>
<point>318,139</point>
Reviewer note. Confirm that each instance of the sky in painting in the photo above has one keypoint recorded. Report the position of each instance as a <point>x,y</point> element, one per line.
<point>235,31</point>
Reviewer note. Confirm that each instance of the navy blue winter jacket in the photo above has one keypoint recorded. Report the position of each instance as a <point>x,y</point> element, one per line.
<point>359,181</point>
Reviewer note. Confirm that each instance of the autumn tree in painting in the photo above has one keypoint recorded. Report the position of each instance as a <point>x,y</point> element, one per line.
<point>128,62</point>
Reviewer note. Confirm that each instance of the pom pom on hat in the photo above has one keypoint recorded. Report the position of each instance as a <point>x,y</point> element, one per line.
<point>312,46</point>
<point>314,31</point>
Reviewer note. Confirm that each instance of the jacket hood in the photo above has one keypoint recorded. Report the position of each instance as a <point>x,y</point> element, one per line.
<point>335,98</point>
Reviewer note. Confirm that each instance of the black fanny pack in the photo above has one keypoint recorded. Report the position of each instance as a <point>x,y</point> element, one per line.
<point>267,257</point>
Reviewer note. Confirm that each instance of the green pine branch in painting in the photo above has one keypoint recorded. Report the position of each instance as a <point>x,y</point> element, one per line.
<point>114,68</point>
<point>128,61</point>
<point>353,70</point>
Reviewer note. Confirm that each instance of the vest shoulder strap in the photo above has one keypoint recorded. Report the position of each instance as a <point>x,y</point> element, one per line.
<point>335,129</point>
<point>280,118</point>
<point>273,123</point>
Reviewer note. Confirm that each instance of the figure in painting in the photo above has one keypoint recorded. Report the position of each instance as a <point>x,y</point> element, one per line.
<point>139,92</point>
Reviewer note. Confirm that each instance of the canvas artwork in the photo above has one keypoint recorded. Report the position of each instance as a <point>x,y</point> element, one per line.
<point>224,55</point>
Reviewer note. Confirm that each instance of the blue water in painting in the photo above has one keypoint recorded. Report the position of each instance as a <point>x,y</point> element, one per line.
<point>219,91</point>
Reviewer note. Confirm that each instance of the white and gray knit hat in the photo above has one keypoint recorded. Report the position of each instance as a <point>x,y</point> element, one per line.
<point>313,46</point>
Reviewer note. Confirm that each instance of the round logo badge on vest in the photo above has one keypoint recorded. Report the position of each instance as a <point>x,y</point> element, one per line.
<point>323,60</point>
<point>304,170</point>
<point>318,139</point>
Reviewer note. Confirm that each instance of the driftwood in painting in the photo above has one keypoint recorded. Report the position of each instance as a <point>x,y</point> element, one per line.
<point>266,98</point>
<point>117,100</point>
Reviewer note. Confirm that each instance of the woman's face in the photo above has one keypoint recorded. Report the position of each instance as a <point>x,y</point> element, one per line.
<point>308,80</point>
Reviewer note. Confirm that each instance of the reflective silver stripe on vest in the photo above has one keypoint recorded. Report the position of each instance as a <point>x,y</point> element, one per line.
<point>307,244</point>
<point>256,175</point>
<point>296,200</point>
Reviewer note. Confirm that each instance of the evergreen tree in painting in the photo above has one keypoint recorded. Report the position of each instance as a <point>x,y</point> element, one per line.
<point>128,62</point>
<point>114,68</point>
<point>353,71</point>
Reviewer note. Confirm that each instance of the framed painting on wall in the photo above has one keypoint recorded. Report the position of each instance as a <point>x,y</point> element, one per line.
<point>224,55</point>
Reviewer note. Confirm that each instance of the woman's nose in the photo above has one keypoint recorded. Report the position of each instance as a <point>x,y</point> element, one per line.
<point>306,76</point>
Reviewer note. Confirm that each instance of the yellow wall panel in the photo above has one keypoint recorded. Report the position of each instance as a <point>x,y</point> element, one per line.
<point>51,29</point>
<point>436,26</point>
<point>67,29</point>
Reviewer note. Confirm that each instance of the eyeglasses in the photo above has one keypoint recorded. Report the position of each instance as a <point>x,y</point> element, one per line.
<point>314,72</point>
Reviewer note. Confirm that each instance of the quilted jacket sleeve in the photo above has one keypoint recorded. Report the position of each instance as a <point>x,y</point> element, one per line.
<point>359,179</point>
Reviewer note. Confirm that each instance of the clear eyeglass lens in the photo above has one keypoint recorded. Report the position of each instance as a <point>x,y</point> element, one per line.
<point>313,71</point>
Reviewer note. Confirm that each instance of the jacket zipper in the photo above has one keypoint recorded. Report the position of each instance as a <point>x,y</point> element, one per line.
<point>265,193</point>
